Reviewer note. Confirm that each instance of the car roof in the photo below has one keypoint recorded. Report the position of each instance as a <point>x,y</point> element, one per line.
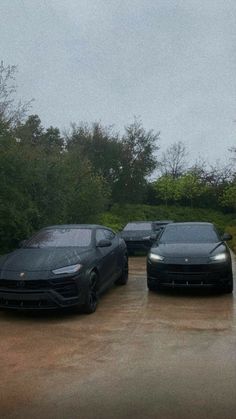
<point>138,222</point>
<point>62,226</point>
<point>191,223</point>
<point>163,221</point>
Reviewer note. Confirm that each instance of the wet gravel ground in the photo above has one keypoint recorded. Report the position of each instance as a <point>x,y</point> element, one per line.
<point>141,355</point>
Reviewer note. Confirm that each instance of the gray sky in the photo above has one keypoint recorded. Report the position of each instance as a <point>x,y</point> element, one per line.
<point>170,62</point>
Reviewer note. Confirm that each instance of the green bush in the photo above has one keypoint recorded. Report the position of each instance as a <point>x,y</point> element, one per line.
<point>110,220</point>
<point>232,230</point>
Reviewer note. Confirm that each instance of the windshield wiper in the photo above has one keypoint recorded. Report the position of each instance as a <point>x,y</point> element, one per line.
<point>217,245</point>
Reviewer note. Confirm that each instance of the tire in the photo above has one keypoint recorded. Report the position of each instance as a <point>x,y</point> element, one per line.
<point>122,280</point>
<point>152,287</point>
<point>92,297</point>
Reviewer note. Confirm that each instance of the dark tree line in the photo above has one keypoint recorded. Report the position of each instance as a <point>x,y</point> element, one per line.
<point>48,179</point>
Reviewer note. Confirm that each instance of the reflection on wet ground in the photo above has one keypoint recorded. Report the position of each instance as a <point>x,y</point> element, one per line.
<point>143,355</point>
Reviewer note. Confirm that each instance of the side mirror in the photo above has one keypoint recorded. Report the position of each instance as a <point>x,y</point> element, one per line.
<point>104,243</point>
<point>153,237</point>
<point>226,236</point>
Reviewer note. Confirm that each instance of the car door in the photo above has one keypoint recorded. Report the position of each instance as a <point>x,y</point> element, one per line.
<point>107,258</point>
<point>115,251</point>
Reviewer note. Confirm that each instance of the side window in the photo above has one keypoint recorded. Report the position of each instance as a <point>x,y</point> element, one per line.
<point>109,234</point>
<point>100,235</point>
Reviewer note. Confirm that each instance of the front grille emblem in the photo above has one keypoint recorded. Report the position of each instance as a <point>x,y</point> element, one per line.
<point>186,259</point>
<point>22,274</point>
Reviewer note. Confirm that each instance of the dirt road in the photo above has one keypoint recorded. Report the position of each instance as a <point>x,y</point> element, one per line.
<point>141,355</point>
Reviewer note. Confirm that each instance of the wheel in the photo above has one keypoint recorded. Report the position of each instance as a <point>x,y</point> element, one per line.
<point>122,280</point>
<point>92,298</point>
<point>152,287</point>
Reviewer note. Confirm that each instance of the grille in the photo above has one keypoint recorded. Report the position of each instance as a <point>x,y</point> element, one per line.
<point>189,278</point>
<point>66,288</point>
<point>27,304</point>
<point>188,268</point>
<point>24,284</point>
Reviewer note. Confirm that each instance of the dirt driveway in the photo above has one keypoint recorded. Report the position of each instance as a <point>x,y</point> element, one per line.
<point>141,355</point>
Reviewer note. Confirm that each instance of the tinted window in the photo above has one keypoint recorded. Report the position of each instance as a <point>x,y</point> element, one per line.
<point>100,235</point>
<point>189,234</point>
<point>63,237</point>
<point>138,226</point>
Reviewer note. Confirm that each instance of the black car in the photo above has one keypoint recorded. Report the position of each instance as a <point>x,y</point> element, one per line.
<point>190,255</point>
<point>63,266</point>
<point>139,235</point>
<point>160,224</point>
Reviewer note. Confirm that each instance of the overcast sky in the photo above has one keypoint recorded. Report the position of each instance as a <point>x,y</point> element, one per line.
<point>170,62</point>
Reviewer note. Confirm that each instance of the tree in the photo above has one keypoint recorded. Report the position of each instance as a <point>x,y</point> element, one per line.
<point>166,189</point>
<point>18,212</point>
<point>138,162</point>
<point>30,131</point>
<point>228,198</point>
<point>173,161</point>
<point>190,188</point>
<point>51,140</point>
<point>100,146</point>
<point>11,112</point>
<point>87,192</point>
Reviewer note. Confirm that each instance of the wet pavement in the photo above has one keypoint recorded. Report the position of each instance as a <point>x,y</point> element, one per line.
<point>141,355</point>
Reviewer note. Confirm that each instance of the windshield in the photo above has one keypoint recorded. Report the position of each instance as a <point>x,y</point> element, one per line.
<point>61,237</point>
<point>189,234</point>
<point>138,226</point>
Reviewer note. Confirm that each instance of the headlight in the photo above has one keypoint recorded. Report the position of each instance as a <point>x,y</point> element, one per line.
<point>155,257</point>
<point>221,257</point>
<point>67,269</point>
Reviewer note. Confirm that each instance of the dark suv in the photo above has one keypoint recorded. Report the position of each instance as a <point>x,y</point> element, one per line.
<point>139,235</point>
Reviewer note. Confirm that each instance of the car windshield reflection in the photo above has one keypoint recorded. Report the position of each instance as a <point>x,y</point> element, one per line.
<point>189,234</point>
<point>67,237</point>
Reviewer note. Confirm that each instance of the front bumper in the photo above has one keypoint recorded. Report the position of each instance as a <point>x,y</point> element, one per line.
<point>41,294</point>
<point>211,275</point>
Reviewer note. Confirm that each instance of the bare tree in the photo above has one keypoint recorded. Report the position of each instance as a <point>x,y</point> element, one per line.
<point>233,151</point>
<point>173,161</point>
<point>11,111</point>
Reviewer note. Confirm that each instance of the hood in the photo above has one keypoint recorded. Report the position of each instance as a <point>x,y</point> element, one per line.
<point>191,250</point>
<point>43,259</point>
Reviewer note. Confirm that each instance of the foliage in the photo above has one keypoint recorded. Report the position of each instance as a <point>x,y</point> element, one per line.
<point>166,188</point>
<point>184,189</point>
<point>93,174</point>
<point>138,162</point>
<point>228,197</point>
<point>232,230</point>
<point>122,214</point>
<point>42,185</point>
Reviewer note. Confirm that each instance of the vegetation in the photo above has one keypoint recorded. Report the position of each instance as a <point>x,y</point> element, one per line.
<point>93,174</point>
